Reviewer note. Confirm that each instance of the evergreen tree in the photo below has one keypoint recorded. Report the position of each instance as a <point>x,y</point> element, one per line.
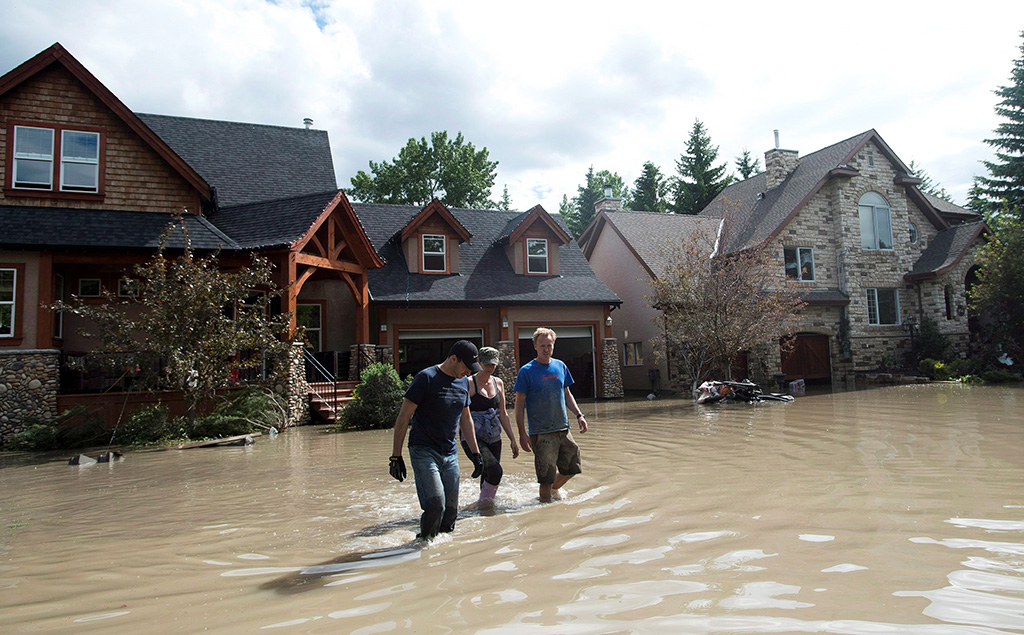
<point>650,190</point>
<point>748,165</point>
<point>505,203</point>
<point>928,185</point>
<point>699,180</point>
<point>580,210</point>
<point>1002,191</point>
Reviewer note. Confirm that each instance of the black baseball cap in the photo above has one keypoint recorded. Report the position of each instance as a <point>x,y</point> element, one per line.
<point>466,352</point>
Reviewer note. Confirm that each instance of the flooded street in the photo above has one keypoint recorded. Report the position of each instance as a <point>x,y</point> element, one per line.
<point>891,510</point>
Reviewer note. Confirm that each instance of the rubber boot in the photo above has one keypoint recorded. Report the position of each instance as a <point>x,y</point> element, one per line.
<point>487,494</point>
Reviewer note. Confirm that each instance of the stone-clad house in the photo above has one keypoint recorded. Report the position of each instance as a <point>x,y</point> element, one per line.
<point>491,277</point>
<point>872,254</point>
<point>88,187</point>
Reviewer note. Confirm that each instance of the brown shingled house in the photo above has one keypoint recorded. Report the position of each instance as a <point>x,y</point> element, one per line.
<point>88,187</point>
<point>872,253</point>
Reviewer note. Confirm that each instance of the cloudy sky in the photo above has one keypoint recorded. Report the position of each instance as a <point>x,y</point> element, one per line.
<point>553,87</point>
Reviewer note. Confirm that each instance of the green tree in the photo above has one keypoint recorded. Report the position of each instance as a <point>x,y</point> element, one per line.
<point>195,319</point>
<point>505,202</point>
<point>699,181</point>
<point>747,164</point>
<point>928,185</point>
<point>999,292</point>
<point>579,211</point>
<point>650,190</point>
<point>451,170</point>
<point>1001,192</point>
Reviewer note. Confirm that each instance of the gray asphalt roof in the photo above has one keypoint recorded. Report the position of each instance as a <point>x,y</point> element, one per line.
<point>34,227</point>
<point>649,232</point>
<point>946,249</point>
<point>247,162</point>
<point>486,277</point>
<point>272,223</point>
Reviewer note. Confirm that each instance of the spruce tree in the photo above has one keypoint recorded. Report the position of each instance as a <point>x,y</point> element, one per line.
<point>650,190</point>
<point>928,184</point>
<point>747,164</point>
<point>580,210</point>
<point>1002,191</point>
<point>699,180</point>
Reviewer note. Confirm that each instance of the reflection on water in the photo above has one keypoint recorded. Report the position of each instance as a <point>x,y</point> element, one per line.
<point>894,510</point>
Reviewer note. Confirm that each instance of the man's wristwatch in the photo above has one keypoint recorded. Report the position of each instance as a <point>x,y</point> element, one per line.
<point>579,414</point>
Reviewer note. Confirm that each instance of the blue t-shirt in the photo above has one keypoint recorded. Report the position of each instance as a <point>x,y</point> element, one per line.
<point>440,400</point>
<point>544,386</point>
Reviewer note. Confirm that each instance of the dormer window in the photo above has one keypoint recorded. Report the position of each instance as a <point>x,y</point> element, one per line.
<point>55,159</point>
<point>537,255</point>
<point>434,260</point>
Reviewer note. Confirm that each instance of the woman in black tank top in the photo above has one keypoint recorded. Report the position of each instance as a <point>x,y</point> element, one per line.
<point>487,405</point>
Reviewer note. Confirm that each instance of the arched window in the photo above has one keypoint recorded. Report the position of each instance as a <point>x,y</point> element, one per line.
<point>948,293</point>
<point>875,222</point>
<point>912,229</point>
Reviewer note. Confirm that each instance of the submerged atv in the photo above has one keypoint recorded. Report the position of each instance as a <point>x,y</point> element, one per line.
<point>748,391</point>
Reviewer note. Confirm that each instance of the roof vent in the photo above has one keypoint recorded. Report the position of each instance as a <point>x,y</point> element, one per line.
<point>309,124</point>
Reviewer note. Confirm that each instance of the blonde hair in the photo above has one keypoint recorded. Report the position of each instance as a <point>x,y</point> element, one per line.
<point>544,331</point>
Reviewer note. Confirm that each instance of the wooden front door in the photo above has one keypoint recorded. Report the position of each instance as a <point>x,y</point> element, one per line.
<point>809,358</point>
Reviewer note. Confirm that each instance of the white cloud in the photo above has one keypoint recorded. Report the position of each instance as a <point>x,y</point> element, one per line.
<point>553,87</point>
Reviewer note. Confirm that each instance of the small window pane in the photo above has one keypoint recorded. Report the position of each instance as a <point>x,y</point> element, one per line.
<point>80,146</point>
<point>883,307</point>
<point>883,227</point>
<point>33,142</point>
<point>867,228</point>
<point>32,173</point>
<point>7,285</point>
<point>537,255</point>
<point>806,264</point>
<point>89,287</point>
<point>433,252</point>
<point>80,177</point>
<point>913,233</point>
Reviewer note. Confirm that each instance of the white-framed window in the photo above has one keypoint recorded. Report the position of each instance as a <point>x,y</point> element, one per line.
<point>434,258</point>
<point>883,307</point>
<point>536,255</point>
<point>90,287</point>
<point>58,294</point>
<point>310,317</point>
<point>912,231</point>
<point>633,354</point>
<point>8,284</point>
<point>799,263</point>
<point>875,222</point>
<point>79,161</point>
<point>33,158</point>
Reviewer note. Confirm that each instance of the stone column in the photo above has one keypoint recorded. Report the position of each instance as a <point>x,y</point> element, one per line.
<point>361,356</point>
<point>507,369</point>
<point>29,381</point>
<point>611,374</point>
<point>386,354</point>
<point>294,389</point>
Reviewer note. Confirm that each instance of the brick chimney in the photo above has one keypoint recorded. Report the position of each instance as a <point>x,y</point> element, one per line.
<point>609,202</point>
<point>778,163</point>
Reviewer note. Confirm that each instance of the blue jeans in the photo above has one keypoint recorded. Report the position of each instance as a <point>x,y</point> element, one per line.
<point>437,486</point>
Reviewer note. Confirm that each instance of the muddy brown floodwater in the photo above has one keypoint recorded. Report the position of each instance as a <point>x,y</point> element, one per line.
<point>892,510</point>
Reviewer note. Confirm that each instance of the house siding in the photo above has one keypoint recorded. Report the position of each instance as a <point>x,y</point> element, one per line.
<point>136,177</point>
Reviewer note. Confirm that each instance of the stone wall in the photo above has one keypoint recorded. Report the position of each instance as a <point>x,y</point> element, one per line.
<point>611,377</point>
<point>29,380</point>
<point>507,370</point>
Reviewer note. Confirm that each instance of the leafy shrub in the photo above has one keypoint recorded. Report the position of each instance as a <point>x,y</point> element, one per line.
<point>1000,377</point>
<point>254,408</point>
<point>376,400</point>
<point>78,427</point>
<point>148,424</point>
<point>934,368</point>
<point>930,342</point>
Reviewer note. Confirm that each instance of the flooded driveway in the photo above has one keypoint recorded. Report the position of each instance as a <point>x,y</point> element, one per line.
<point>892,510</point>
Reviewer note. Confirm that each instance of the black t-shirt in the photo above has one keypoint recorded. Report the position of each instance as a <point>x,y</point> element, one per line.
<point>440,400</point>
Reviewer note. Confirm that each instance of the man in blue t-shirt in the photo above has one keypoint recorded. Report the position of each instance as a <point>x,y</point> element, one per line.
<point>542,391</point>
<point>435,404</point>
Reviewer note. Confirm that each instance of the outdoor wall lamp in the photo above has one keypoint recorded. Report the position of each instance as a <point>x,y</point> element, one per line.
<point>504,322</point>
<point>383,328</point>
<point>961,310</point>
<point>608,321</point>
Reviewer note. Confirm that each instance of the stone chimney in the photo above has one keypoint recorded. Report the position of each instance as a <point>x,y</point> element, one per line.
<point>609,202</point>
<point>778,163</point>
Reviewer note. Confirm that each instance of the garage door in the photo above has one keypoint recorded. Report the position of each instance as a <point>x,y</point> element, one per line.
<point>574,346</point>
<point>809,359</point>
<point>420,348</point>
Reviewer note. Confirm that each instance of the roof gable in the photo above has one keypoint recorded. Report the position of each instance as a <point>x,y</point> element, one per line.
<point>646,234</point>
<point>946,250</point>
<point>57,54</point>
<point>539,215</point>
<point>436,208</point>
<point>347,240</point>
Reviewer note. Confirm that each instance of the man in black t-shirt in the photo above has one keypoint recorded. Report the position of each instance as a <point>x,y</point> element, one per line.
<point>436,403</point>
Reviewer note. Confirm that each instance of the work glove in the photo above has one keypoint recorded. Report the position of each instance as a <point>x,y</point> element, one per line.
<point>478,464</point>
<point>397,467</point>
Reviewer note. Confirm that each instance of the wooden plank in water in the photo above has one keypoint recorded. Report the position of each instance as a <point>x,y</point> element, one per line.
<point>213,442</point>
